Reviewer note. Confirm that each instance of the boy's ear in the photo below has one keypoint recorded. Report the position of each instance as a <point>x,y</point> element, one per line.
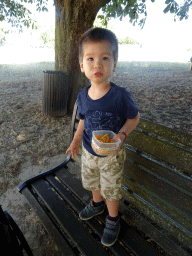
<point>81,67</point>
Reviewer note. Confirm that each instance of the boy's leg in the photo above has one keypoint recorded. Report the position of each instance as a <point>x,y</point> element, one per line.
<point>112,207</point>
<point>91,181</point>
<point>112,224</point>
<point>111,177</point>
<point>97,197</point>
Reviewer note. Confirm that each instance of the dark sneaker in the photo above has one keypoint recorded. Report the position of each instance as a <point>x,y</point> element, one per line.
<point>90,211</point>
<point>111,232</point>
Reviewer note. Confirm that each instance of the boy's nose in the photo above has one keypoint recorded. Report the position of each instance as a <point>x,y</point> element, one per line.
<point>98,64</point>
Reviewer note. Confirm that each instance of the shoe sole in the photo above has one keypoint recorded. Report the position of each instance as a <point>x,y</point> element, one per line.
<point>92,215</point>
<point>108,245</point>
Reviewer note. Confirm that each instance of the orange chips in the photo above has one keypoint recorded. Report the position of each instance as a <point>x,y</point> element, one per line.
<point>105,138</point>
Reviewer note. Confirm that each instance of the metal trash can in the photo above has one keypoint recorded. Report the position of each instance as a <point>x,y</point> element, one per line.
<point>55,93</point>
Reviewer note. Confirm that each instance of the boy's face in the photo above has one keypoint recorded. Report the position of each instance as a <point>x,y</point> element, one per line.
<point>97,62</point>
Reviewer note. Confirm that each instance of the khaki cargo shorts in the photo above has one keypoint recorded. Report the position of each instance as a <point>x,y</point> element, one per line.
<point>103,173</point>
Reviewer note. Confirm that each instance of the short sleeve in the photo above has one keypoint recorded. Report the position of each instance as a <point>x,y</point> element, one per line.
<point>128,105</point>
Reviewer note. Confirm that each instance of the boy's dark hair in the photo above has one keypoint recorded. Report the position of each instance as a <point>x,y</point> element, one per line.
<point>98,35</point>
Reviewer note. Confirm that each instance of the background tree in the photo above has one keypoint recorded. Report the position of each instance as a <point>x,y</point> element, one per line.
<point>47,35</point>
<point>2,36</point>
<point>75,17</point>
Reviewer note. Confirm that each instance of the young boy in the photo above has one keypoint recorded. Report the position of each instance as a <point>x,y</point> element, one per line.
<point>102,106</point>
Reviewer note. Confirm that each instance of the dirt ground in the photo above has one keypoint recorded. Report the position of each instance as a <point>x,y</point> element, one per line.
<point>32,143</point>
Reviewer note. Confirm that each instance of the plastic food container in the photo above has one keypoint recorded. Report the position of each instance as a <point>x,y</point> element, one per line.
<point>104,149</point>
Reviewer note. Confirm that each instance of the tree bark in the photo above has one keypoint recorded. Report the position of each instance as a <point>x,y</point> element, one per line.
<point>73,18</point>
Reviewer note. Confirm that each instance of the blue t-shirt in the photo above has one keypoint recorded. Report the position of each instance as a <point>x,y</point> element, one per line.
<point>107,113</point>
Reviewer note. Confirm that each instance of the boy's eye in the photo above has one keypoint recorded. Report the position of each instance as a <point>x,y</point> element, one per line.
<point>90,59</point>
<point>105,58</point>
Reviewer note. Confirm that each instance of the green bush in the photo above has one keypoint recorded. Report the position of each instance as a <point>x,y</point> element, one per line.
<point>48,38</point>
<point>2,36</point>
<point>127,40</point>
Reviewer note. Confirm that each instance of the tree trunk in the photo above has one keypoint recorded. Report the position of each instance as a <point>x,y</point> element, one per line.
<point>73,18</point>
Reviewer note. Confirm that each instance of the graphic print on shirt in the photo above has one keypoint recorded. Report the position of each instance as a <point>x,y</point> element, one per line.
<point>99,120</point>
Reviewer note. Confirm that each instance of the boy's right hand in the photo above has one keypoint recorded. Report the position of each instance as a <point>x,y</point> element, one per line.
<point>74,148</point>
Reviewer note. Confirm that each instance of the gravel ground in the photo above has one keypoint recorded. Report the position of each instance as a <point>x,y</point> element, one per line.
<point>163,91</point>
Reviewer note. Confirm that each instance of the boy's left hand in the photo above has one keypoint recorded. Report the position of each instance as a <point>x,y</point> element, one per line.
<point>121,137</point>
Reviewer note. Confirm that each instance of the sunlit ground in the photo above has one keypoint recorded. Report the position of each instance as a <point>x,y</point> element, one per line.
<point>152,53</point>
<point>21,55</point>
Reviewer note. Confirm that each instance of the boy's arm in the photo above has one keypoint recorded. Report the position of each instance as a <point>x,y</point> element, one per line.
<point>74,147</point>
<point>79,132</point>
<point>129,125</point>
<point>127,128</point>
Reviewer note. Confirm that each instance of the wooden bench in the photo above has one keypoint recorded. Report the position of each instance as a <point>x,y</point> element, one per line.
<point>156,207</point>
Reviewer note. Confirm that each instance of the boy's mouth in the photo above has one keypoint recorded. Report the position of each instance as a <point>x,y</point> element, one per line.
<point>98,74</point>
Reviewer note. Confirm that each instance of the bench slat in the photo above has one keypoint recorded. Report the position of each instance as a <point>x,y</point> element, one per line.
<point>160,238</point>
<point>161,150</point>
<point>75,186</point>
<point>152,210</point>
<point>72,201</point>
<point>74,229</point>
<point>64,193</point>
<point>136,243</point>
<point>160,169</point>
<point>159,187</point>
<point>163,205</point>
<point>165,132</point>
<point>165,208</point>
<point>46,221</point>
